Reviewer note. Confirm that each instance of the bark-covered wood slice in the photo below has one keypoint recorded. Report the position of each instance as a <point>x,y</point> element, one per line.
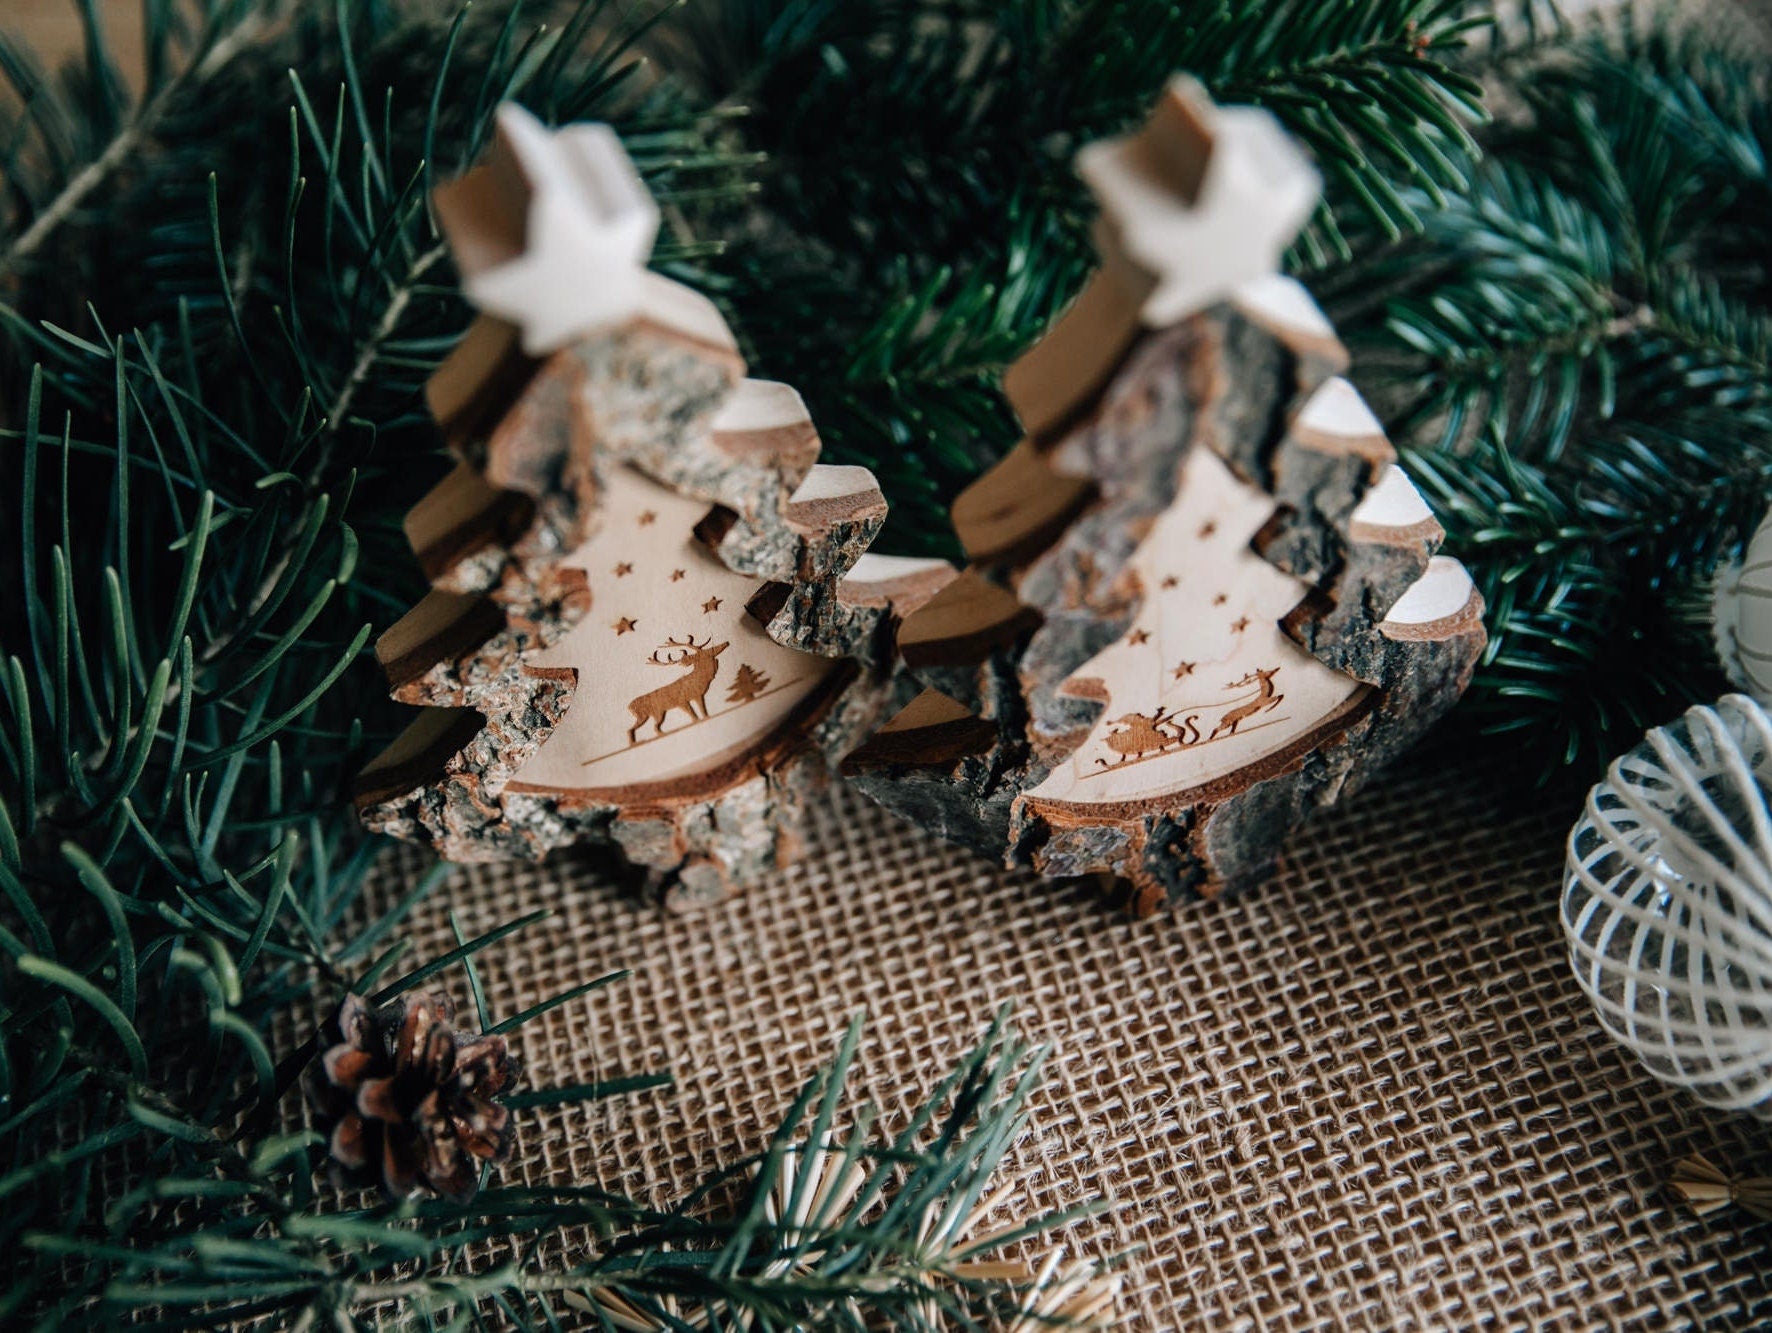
<point>591,661</point>
<point>1204,600</point>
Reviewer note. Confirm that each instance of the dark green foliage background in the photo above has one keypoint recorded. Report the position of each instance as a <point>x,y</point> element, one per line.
<point>221,293</point>
<point>1575,354</point>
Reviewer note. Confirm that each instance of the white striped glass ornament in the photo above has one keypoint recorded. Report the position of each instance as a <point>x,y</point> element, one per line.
<point>1667,903</point>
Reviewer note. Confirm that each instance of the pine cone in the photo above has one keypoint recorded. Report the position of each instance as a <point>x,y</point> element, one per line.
<point>400,1090</point>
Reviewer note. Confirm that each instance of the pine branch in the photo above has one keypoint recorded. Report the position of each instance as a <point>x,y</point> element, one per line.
<point>227,32</point>
<point>1576,353</point>
<point>825,1228</point>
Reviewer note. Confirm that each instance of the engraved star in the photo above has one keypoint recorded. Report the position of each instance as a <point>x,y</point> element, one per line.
<point>1183,669</point>
<point>1207,529</point>
<point>1220,600</point>
<point>712,604</point>
<point>1170,581</point>
<point>1138,636</point>
<point>676,575</point>
<point>625,626</point>
<point>1239,625</point>
<point>648,518</point>
<point>623,569</point>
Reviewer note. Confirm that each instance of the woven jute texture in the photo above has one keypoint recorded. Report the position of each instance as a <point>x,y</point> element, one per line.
<point>1366,1096</point>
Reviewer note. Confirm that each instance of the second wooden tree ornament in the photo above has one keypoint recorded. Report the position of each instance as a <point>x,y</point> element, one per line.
<point>1203,600</point>
<point>630,522</point>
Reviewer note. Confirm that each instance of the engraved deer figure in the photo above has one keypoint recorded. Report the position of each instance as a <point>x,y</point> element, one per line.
<point>1267,698</point>
<point>688,692</point>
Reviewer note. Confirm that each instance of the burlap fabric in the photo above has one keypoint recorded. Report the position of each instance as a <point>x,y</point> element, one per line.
<point>1368,1096</point>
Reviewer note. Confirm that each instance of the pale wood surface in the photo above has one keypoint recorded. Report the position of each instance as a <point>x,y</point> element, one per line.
<point>1204,683</point>
<point>667,630</point>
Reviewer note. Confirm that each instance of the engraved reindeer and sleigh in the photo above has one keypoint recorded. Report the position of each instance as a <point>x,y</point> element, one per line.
<point>1137,737</point>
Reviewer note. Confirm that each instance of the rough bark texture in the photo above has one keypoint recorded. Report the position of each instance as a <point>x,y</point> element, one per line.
<point>1337,623</point>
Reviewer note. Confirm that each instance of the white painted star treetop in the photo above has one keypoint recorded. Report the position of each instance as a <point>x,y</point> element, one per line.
<point>553,233</point>
<point>1203,198</point>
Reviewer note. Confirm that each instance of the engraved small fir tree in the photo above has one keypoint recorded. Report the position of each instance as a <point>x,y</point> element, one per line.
<point>747,685</point>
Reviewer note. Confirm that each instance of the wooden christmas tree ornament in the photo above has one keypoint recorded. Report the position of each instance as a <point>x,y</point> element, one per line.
<point>1203,600</point>
<point>638,565</point>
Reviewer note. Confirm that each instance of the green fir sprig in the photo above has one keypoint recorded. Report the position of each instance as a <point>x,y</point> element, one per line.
<point>1576,354</point>
<point>834,1225</point>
